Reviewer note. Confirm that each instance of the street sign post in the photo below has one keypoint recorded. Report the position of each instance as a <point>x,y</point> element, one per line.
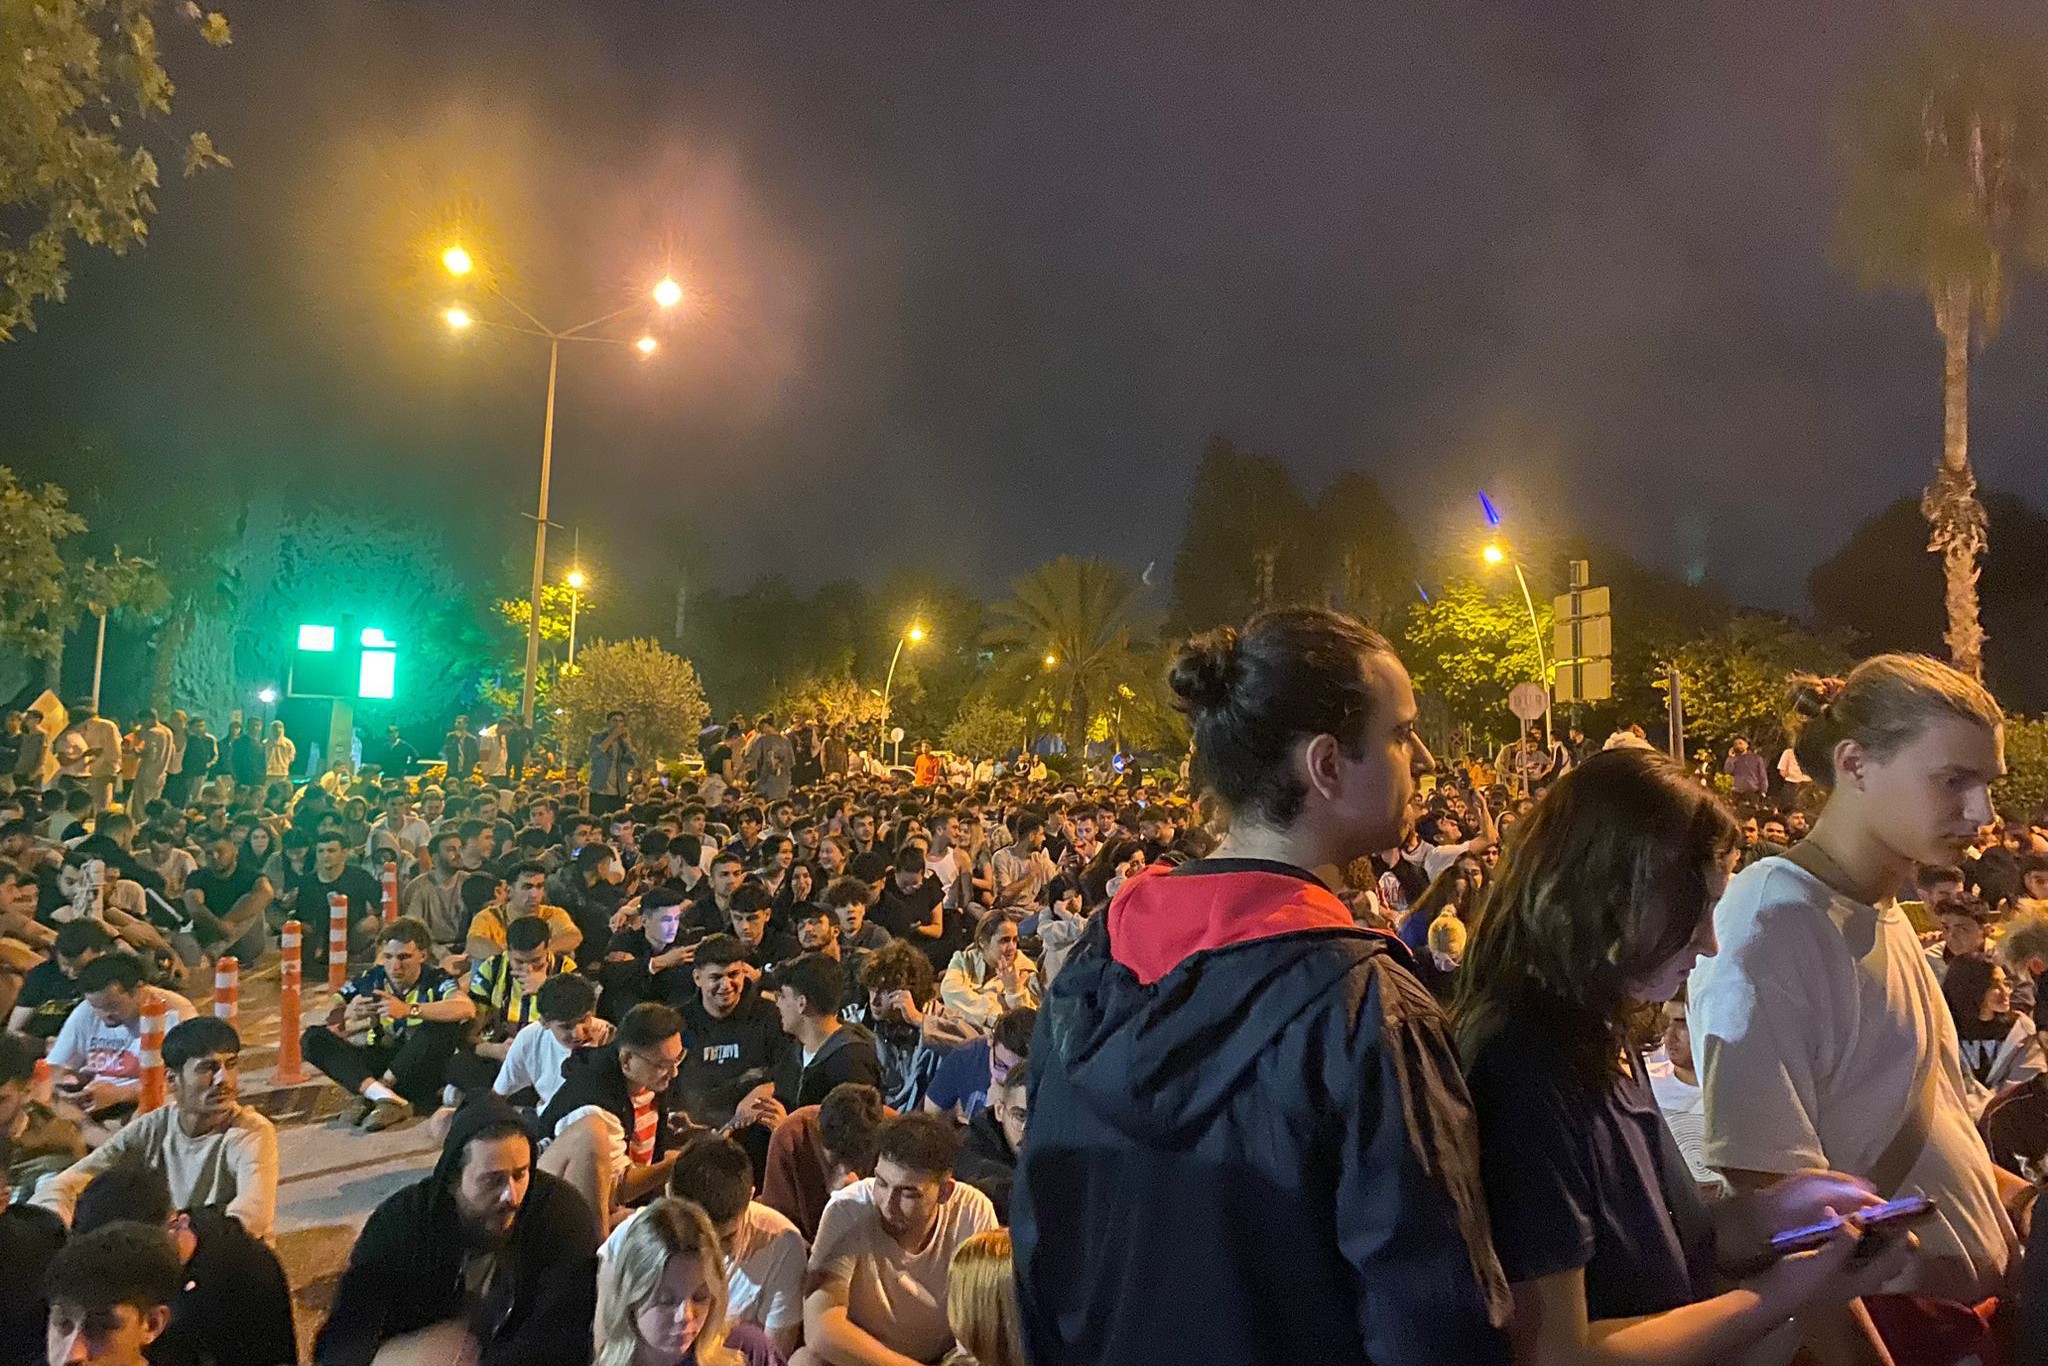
<point>1584,641</point>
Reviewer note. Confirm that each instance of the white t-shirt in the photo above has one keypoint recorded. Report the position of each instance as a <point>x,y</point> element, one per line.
<point>896,1296</point>
<point>534,1058</point>
<point>764,1272</point>
<point>1685,1113</point>
<point>87,1043</point>
<point>1813,1027</point>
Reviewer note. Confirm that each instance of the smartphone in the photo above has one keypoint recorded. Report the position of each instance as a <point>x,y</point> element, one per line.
<point>1907,1209</point>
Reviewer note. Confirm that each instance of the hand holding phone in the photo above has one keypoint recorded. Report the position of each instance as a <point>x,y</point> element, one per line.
<point>1877,1221</point>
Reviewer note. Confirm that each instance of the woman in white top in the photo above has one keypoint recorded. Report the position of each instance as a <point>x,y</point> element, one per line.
<point>993,977</point>
<point>1822,1037</point>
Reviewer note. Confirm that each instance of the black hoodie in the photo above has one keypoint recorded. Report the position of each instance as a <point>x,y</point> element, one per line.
<point>1250,1142</point>
<point>406,1272</point>
<point>593,1076</point>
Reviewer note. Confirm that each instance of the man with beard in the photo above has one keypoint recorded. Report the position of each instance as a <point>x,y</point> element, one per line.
<point>486,1256</point>
<point>994,1138</point>
<point>210,1148</point>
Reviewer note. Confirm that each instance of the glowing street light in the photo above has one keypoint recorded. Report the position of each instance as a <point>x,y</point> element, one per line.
<point>915,635</point>
<point>267,696</point>
<point>575,580</point>
<point>666,293</point>
<point>1495,554</point>
<point>1052,661</point>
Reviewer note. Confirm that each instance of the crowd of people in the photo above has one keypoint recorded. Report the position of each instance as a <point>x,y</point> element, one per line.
<point>1335,1053</point>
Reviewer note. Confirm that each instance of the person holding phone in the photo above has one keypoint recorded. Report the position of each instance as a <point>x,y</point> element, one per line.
<point>1602,905</point>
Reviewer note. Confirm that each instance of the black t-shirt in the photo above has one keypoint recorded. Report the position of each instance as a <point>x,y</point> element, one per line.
<point>221,892</point>
<point>49,996</point>
<point>870,867</point>
<point>30,1237</point>
<point>1981,1040</point>
<point>896,910</point>
<point>365,898</point>
<point>1577,1178</point>
<point>235,1306</point>
<point>724,1059</point>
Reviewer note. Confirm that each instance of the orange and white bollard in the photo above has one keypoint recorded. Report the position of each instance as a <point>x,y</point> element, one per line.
<point>227,990</point>
<point>337,941</point>
<point>152,1057</point>
<point>390,886</point>
<point>290,972</point>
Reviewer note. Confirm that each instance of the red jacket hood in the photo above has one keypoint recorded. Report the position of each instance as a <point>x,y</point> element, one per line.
<point>1163,916</point>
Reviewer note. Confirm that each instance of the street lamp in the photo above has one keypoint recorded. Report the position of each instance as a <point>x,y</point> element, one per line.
<point>1494,554</point>
<point>915,635</point>
<point>666,295</point>
<point>1052,661</point>
<point>575,582</point>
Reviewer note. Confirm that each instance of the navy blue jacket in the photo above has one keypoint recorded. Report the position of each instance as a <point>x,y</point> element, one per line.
<point>1249,1142</point>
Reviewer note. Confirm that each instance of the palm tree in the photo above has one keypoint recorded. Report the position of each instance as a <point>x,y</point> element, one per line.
<point>1065,643</point>
<point>1945,170</point>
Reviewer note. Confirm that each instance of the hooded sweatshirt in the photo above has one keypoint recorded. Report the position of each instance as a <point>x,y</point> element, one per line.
<point>407,1269</point>
<point>1242,1100</point>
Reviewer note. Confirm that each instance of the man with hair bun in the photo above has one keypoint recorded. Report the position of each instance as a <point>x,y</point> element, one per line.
<point>1224,1053</point>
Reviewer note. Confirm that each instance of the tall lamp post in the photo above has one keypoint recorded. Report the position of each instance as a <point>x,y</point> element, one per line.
<point>575,582</point>
<point>1493,554</point>
<point>666,294</point>
<point>914,636</point>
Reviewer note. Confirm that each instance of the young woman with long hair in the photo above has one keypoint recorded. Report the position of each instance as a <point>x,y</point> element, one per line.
<point>662,1295</point>
<point>1601,906</point>
<point>1822,1035</point>
<point>1999,1046</point>
<point>981,1303</point>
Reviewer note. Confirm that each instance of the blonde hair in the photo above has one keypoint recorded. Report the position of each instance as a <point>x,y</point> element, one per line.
<point>981,1300</point>
<point>1884,703</point>
<point>667,1228</point>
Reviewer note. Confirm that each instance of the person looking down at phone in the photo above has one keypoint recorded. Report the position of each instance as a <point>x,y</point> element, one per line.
<point>1822,1036</point>
<point>97,1055</point>
<point>1603,905</point>
<point>645,962</point>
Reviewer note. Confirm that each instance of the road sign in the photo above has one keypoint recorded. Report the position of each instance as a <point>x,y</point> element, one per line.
<point>1529,701</point>
<point>1583,641</point>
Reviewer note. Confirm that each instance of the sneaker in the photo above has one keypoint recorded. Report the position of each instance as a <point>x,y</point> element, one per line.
<point>386,1113</point>
<point>357,1110</point>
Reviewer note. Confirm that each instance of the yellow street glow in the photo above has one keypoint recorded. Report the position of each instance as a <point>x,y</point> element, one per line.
<point>668,293</point>
<point>1052,661</point>
<point>646,345</point>
<point>458,318</point>
<point>1492,554</point>
<point>576,579</point>
<point>916,634</point>
<point>457,260</point>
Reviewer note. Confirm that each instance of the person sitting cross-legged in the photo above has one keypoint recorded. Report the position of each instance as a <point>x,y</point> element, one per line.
<point>391,1032</point>
<point>607,1129</point>
<point>210,1149</point>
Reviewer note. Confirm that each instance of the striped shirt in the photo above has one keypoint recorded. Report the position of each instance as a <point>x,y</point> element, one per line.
<point>640,1148</point>
<point>501,998</point>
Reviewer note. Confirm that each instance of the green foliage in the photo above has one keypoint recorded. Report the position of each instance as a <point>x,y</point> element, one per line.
<point>555,601</point>
<point>32,572</point>
<point>833,701</point>
<point>1734,677</point>
<point>1361,552</point>
<point>83,83</point>
<point>2024,788</point>
<point>1080,614</point>
<point>1243,546</point>
<point>1944,159</point>
<point>658,691</point>
<point>1470,646</point>
<point>983,730</point>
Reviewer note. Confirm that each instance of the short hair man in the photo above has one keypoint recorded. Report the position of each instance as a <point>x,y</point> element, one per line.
<point>211,1149</point>
<point>734,1036</point>
<point>49,991</point>
<point>568,1021</point>
<point>607,1127</point>
<point>391,1031</point>
<point>233,1304</point>
<point>98,1052</point>
<point>809,990</point>
<point>818,1150</point>
<point>484,1206</point>
<point>895,1229</point>
<point>110,1295</point>
<point>849,898</point>
<point>994,1139</point>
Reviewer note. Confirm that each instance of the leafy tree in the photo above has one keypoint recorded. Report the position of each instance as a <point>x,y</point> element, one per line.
<point>658,691</point>
<point>84,82</point>
<point>32,572</point>
<point>1945,167</point>
<point>833,701</point>
<point>983,730</point>
<point>1470,646</point>
<point>1733,678</point>
<point>1077,614</point>
<point>1362,552</point>
<point>1884,589</point>
<point>99,588</point>
<point>2023,790</point>
<point>1243,546</point>
<point>555,602</point>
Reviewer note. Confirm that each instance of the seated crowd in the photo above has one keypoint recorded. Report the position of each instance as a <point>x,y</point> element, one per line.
<point>748,1067</point>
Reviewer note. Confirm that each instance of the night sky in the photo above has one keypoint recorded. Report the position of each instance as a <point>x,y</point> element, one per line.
<point>973,284</point>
